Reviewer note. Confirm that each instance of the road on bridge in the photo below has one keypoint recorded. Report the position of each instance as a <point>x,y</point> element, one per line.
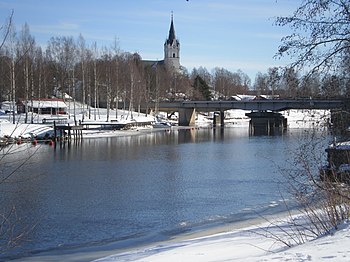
<point>255,105</point>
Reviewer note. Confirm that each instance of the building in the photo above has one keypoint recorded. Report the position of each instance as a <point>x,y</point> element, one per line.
<point>172,49</point>
<point>52,106</point>
<point>171,59</point>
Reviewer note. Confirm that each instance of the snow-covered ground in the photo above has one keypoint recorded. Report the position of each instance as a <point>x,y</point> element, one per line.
<point>253,243</point>
<point>42,124</point>
<point>307,118</point>
<point>249,241</point>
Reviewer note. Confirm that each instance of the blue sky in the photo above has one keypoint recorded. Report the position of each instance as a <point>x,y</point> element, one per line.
<point>233,34</point>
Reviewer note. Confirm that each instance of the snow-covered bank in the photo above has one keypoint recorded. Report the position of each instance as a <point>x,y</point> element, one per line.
<point>42,125</point>
<point>307,118</point>
<point>252,243</point>
<point>22,130</point>
<point>236,118</point>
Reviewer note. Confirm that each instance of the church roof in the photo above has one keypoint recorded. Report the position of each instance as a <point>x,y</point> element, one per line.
<point>153,63</point>
<point>172,36</point>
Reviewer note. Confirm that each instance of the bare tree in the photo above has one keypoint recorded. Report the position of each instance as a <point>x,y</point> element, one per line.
<point>319,43</point>
<point>245,80</point>
<point>26,49</point>
<point>61,53</point>
<point>310,85</point>
<point>81,49</point>
<point>106,68</point>
<point>115,75</point>
<point>222,83</point>
<point>38,76</point>
<point>345,73</point>
<point>290,82</point>
<point>228,83</point>
<point>321,34</point>
<point>12,229</point>
<point>261,83</point>
<point>96,78</point>
<point>274,78</point>
<point>13,75</point>
<point>6,29</point>
<point>331,86</point>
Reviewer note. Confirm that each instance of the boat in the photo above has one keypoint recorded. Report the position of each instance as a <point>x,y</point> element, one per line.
<point>161,124</point>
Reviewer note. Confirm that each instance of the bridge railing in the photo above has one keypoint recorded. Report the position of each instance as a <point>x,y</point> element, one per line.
<point>255,105</point>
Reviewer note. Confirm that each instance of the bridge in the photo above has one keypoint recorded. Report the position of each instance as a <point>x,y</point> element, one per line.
<point>254,105</point>
<point>261,108</point>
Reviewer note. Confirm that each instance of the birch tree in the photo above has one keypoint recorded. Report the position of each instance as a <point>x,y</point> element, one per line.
<point>115,76</point>
<point>321,35</point>
<point>26,48</point>
<point>81,46</point>
<point>11,48</point>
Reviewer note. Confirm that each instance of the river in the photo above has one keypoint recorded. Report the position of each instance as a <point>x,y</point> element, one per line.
<point>129,190</point>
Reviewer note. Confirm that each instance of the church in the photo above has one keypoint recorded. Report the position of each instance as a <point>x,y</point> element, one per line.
<point>171,52</point>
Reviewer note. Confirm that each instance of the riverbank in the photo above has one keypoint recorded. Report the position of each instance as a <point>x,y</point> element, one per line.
<point>252,244</point>
<point>108,253</point>
<point>251,240</point>
<point>254,240</point>
<point>233,118</point>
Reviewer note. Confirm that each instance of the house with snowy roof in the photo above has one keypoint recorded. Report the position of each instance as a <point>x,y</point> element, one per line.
<point>52,106</point>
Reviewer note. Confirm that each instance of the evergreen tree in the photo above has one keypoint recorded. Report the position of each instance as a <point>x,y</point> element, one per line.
<point>202,88</point>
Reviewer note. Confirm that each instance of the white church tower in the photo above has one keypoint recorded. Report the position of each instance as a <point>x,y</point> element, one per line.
<point>172,49</point>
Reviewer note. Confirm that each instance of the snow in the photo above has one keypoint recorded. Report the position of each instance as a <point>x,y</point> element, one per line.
<point>341,145</point>
<point>22,130</point>
<point>43,123</point>
<point>77,112</point>
<point>47,103</point>
<point>253,243</point>
<point>307,118</point>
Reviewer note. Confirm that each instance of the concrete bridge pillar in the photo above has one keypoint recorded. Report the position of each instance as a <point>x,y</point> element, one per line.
<point>266,123</point>
<point>222,118</point>
<point>219,117</point>
<point>187,116</point>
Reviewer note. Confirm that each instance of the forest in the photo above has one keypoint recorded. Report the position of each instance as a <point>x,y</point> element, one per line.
<point>105,76</point>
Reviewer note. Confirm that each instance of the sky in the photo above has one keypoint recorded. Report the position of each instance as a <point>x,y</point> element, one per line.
<point>231,34</point>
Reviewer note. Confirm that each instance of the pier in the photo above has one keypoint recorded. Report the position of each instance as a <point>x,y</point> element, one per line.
<point>72,131</point>
<point>262,122</point>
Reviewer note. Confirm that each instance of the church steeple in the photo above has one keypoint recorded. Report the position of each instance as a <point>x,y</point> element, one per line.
<point>172,36</point>
<point>172,48</point>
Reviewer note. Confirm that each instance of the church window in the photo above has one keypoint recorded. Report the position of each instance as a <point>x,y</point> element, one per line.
<point>173,55</point>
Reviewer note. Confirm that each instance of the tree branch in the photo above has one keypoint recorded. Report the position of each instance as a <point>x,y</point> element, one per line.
<point>8,29</point>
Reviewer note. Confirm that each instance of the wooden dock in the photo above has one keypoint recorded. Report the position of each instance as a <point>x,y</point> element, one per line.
<point>72,131</point>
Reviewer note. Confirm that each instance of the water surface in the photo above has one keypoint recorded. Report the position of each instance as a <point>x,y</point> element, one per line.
<point>124,191</point>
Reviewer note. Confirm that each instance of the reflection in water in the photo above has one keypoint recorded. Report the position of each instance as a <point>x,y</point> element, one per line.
<point>144,187</point>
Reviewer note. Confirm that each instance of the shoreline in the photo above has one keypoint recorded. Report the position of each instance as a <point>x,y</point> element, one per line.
<point>109,251</point>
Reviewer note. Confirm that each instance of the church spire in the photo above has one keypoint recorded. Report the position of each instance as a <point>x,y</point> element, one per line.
<point>172,48</point>
<point>172,36</point>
